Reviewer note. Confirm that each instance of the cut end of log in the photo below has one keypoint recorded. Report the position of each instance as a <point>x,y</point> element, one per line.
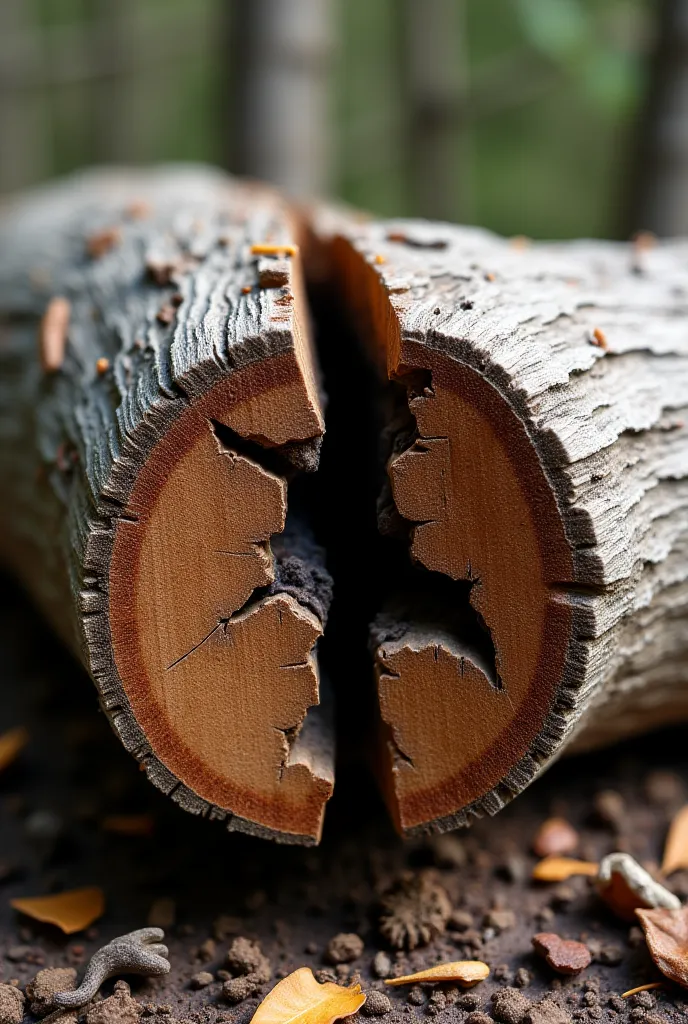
<point>462,733</point>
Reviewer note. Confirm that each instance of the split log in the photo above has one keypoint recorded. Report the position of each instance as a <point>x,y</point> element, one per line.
<point>145,462</point>
<point>545,492</point>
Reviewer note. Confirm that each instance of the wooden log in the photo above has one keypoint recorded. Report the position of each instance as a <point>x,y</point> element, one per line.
<point>544,489</point>
<point>145,457</point>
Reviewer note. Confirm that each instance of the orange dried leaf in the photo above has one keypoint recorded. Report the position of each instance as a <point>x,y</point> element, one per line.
<point>554,838</point>
<point>558,869</point>
<point>666,934</point>
<point>465,972</point>
<point>300,999</point>
<point>642,988</point>
<point>11,744</point>
<point>268,249</point>
<point>676,846</point>
<point>71,911</point>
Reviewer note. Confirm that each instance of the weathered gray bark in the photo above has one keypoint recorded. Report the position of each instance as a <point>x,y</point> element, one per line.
<point>582,350</point>
<point>168,304</point>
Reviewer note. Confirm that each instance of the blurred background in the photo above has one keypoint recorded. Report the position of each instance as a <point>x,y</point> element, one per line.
<point>548,118</point>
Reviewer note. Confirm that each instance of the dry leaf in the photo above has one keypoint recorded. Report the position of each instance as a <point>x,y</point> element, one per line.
<point>555,837</point>
<point>676,846</point>
<point>71,911</point>
<point>642,988</point>
<point>624,886</point>
<point>300,999</point>
<point>666,934</point>
<point>558,869</point>
<point>11,743</point>
<point>465,972</point>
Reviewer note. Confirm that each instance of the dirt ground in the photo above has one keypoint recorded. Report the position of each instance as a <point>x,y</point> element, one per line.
<point>214,886</point>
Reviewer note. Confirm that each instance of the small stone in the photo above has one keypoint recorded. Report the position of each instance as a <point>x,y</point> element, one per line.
<point>509,1006</point>
<point>11,1005</point>
<point>207,951</point>
<point>610,955</point>
<point>436,1003</point>
<point>449,852</point>
<point>546,1012</point>
<point>643,999</point>
<point>119,1008</point>
<point>376,1005</point>
<point>502,972</point>
<point>44,987</point>
<point>324,975</point>
<point>514,868</point>
<point>344,948</point>
<point>610,808</point>
<point>566,956</point>
<point>311,948</point>
<point>382,965</point>
<point>201,980</point>
<point>247,958</point>
<point>468,1000</point>
<point>500,920</point>
<point>555,837</point>
<point>342,972</point>
<point>545,915</point>
<point>238,989</point>
<point>18,953</point>
<point>460,920</point>
<point>416,996</point>
<point>522,978</point>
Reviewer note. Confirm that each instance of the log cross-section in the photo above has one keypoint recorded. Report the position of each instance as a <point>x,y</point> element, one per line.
<point>147,468</point>
<point>548,471</point>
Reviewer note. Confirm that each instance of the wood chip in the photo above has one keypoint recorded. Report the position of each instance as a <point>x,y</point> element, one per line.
<point>300,999</point>
<point>129,824</point>
<point>555,837</point>
<point>565,956</point>
<point>269,249</point>
<point>71,911</point>
<point>676,846</point>
<point>558,869</point>
<point>666,934</point>
<point>463,972</point>
<point>642,988</point>
<point>12,743</point>
<point>52,334</point>
<point>624,886</point>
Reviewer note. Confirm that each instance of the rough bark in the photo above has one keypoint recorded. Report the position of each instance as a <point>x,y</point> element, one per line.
<point>546,475</point>
<point>145,460</point>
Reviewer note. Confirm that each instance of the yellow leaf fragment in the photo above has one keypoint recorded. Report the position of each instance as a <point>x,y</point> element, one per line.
<point>300,999</point>
<point>642,988</point>
<point>71,911</point>
<point>465,972</point>
<point>11,743</point>
<point>558,869</point>
<point>676,846</point>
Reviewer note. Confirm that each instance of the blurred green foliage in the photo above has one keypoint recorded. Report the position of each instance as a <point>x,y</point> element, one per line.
<point>554,89</point>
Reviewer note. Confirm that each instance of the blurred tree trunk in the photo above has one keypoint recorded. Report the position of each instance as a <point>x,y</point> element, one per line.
<point>659,196</point>
<point>280,92</point>
<point>435,76</point>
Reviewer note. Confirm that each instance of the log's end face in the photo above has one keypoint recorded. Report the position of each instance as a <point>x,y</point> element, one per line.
<point>219,671</point>
<point>459,736</point>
